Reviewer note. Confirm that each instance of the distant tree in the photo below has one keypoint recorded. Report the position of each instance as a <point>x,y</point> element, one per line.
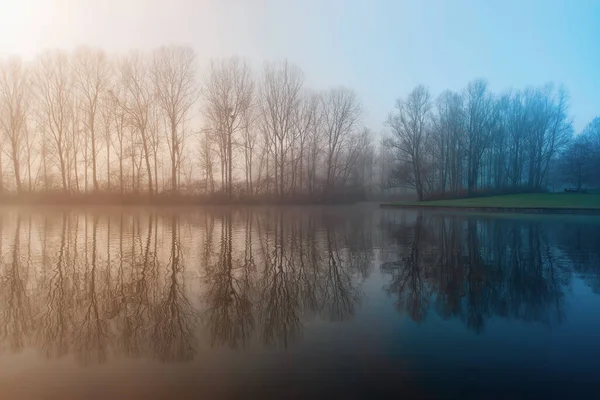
<point>92,78</point>
<point>136,101</point>
<point>342,112</point>
<point>410,125</point>
<point>175,84</point>
<point>227,93</point>
<point>280,98</point>
<point>480,116</point>
<point>592,133</point>
<point>577,162</point>
<point>54,94</point>
<point>14,109</point>
<point>448,126</point>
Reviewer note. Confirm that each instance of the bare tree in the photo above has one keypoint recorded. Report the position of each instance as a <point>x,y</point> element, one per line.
<point>448,128</point>
<point>107,114</point>
<point>92,71</point>
<point>341,113</point>
<point>249,138</point>
<point>410,126</point>
<point>136,102</point>
<point>120,124</point>
<point>53,83</point>
<point>206,162</point>
<point>280,99</point>
<point>14,108</point>
<point>31,153</point>
<point>227,94</point>
<point>479,109</point>
<point>578,162</point>
<point>307,121</point>
<point>592,132</point>
<point>174,77</point>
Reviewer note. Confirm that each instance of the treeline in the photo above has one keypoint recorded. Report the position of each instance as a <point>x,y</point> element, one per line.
<point>579,163</point>
<point>461,144</point>
<point>151,123</point>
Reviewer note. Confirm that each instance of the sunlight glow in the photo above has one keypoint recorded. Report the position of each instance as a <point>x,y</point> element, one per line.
<point>27,26</point>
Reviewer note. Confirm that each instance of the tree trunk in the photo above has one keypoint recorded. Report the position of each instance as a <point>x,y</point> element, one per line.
<point>1,175</point>
<point>147,159</point>
<point>63,170</point>
<point>93,140</point>
<point>281,168</point>
<point>174,154</point>
<point>16,169</point>
<point>108,165</point>
<point>230,164</point>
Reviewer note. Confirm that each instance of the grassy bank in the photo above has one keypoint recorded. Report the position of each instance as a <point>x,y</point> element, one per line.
<point>517,201</point>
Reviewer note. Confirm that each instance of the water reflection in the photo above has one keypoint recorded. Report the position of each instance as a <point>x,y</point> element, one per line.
<point>160,285</point>
<point>474,269</point>
<point>168,285</point>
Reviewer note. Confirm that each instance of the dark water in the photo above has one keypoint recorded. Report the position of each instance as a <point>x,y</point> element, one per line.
<point>347,302</point>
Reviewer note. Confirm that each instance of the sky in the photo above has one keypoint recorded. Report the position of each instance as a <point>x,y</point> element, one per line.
<point>381,49</point>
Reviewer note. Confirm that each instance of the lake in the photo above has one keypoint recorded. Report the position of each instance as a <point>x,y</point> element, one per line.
<point>296,302</point>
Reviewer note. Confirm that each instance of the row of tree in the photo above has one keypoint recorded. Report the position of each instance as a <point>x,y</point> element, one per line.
<point>579,163</point>
<point>151,122</point>
<point>477,140</point>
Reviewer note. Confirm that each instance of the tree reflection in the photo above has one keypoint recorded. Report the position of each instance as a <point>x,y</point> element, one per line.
<point>57,318</point>
<point>474,269</point>
<point>280,303</point>
<point>122,285</point>
<point>409,282</point>
<point>580,243</point>
<point>230,313</point>
<point>15,315</point>
<point>340,294</point>
<point>174,315</point>
<point>94,286</point>
<point>91,332</point>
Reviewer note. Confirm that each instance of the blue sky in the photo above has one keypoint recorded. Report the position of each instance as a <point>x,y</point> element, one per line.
<point>382,49</point>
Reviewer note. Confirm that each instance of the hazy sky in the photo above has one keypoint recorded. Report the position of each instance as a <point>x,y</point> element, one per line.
<point>382,49</point>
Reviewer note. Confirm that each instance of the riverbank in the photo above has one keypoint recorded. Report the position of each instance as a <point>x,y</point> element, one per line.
<point>166,199</point>
<point>546,203</point>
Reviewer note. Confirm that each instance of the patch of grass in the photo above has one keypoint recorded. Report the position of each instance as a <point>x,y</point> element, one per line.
<point>529,200</point>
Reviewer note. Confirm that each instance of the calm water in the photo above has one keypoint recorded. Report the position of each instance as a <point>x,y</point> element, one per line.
<point>346,302</point>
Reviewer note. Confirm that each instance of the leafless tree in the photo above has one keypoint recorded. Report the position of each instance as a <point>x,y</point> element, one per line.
<point>14,108</point>
<point>206,161</point>
<point>54,90</point>
<point>176,89</point>
<point>478,120</point>
<point>120,125</point>
<point>136,102</point>
<point>410,126</point>
<point>280,99</point>
<point>308,126</point>
<point>341,114</point>
<point>227,96</point>
<point>92,78</point>
<point>107,114</point>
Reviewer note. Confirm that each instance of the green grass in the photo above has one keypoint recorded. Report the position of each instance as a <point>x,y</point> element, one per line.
<point>537,200</point>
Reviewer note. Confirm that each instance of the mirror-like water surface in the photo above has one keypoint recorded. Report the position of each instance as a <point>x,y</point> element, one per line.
<point>306,302</point>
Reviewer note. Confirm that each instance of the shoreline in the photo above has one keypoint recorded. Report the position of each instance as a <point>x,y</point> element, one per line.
<point>498,209</point>
<point>101,199</point>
